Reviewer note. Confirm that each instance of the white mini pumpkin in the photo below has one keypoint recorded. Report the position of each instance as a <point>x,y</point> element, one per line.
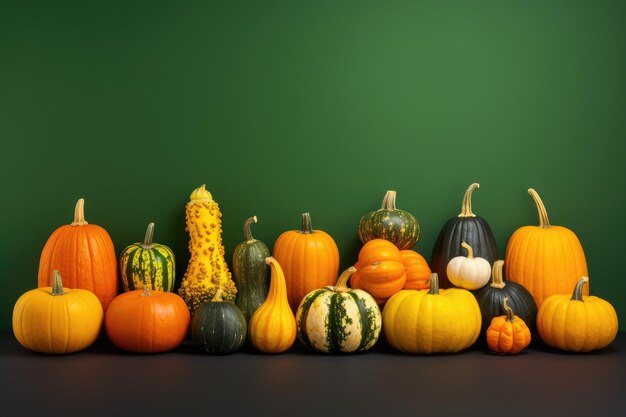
<point>468,272</point>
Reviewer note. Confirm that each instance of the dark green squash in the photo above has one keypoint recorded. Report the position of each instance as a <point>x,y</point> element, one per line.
<point>218,327</point>
<point>397,226</point>
<point>466,227</point>
<point>491,298</point>
<point>251,273</point>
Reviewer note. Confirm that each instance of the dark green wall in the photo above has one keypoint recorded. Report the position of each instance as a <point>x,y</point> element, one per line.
<point>282,107</point>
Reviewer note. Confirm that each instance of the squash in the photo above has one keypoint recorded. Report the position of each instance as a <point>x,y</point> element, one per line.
<point>147,321</point>
<point>468,272</point>
<point>147,263</point>
<point>466,227</point>
<point>417,270</point>
<point>380,270</point>
<point>577,324</point>
<point>397,226</point>
<point>309,258</point>
<point>250,271</point>
<point>207,270</point>
<point>491,297</point>
<point>434,321</point>
<point>272,328</point>
<point>84,255</point>
<point>56,319</point>
<point>338,319</point>
<point>218,327</point>
<point>546,259</point>
<point>508,334</point>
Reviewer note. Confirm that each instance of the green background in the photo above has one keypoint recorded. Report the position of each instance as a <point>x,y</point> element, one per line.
<point>282,107</point>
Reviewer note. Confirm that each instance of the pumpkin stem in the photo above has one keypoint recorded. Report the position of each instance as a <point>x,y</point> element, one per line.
<point>79,213</point>
<point>217,298</point>
<point>342,282</point>
<point>510,316</point>
<point>307,226</point>
<point>496,275</point>
<point>389,202</point>
<point>57,284</point>
<point>146,291</point>
<point>147,240</point>
<point>466,205</point>
<point>544,221</point>
<point>434,284</point>
<point>578,289</point>
<point>247,233</point>
<point>468,248</point>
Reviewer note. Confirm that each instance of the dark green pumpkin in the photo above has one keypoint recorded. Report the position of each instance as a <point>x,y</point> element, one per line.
<point>397,226</point>
<point>491,298</point>
<point>218,327</point>
<point>466,227</point>
<point>251,273</point>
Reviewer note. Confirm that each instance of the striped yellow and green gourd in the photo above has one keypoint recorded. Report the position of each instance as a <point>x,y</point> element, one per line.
<point>338,319</point>
<point>147,263</point>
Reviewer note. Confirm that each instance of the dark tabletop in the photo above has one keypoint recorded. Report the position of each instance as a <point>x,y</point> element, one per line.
<point>103,381</point>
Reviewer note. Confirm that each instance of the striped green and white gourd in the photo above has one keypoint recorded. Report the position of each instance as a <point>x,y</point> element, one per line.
<point>338,319</point>
<point>147,263</point>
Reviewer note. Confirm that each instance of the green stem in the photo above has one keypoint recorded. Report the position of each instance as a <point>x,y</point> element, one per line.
<point>57,284</point>
<point>466,205</point>
<point>247,233</point>
<point>307,226</point>
<point>434,284</point>
<point>578,289</point>
<point>389,202</point>
<point>342,282</point>
<point>147,240</point>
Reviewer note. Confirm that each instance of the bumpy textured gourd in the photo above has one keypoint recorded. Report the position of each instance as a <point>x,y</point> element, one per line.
<point>338,319</point>
<point>207,270</point>
<point>545,259</point>
<point>57,320</point>
<point>272,328</point>
<point>147,263</point>
<point>417,270</point>
<point>578,323</point>
<point>508,334</point>
<point>251,273</point>
<point>397,226</point>
<point>470,273</point>
<point>466,227</point>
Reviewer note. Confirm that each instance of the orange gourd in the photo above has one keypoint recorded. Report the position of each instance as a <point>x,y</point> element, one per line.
<point>309,259</point>
<point>545,259</point>
<point>417,270</point>
<point>84,255</point>
<point>380,270</point>
<point>508,334</point>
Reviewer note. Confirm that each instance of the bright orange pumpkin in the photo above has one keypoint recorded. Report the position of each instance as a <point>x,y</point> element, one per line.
<point>309,259</point>
<point>380,270</point>
<point>84,255</point>
<point>417,270</point>
<point>545,259</point>
<point>508,334</point>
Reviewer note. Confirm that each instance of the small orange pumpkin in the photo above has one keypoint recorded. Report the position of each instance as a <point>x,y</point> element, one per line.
<point>508,334</point>
<point>417,270</point>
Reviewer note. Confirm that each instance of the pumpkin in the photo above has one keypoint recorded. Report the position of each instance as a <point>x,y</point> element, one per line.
<point>397,226</point>
<point>466,227</point>
<point>338,319</point>
<point>218,327</point>
<point>146,321</point>
<point>147,263</point>
<point>417,270</point>
<point>546,259</point>
<point>84,255</point>
<point>468,272</point>
<point>272,328</point>
<point>491,297</point>
<point>434,321</point>
<point>508,333</point>
<point>250,271</point>
<point>577,324</point>
<point>56,319</point>
<point>309,258</point>
<point>207,270</point>
<point>380,270</point>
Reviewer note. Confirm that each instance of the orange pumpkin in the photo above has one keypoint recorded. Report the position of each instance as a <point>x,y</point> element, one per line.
<point>147,321</point>
<point>417,270</point>
<point>380,270</point>
<point>84,255</point>
<point>309,259</point>
<point>545,259</point>
<point>508,334</point>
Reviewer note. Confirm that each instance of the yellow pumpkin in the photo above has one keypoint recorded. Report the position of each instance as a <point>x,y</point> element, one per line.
<point>432,321</point>
<point>272,327</point>
<point>577,324</point>
<point>57,320</point>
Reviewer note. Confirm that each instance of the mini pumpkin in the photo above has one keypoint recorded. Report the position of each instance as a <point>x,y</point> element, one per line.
<point>468,272</point>
<point>508,334</point>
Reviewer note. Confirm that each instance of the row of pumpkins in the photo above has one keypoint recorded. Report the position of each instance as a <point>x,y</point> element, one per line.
<point>545,267</point>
